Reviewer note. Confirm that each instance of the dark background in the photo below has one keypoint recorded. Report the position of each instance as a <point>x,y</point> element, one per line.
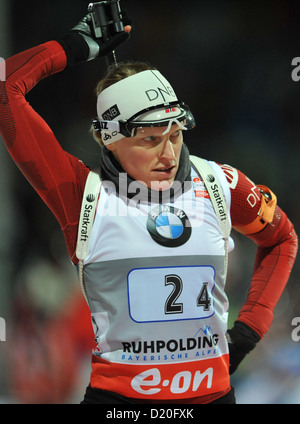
<point>230,61</point>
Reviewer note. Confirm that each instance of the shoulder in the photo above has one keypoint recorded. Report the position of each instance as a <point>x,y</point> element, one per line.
<point>243,189</point>
<point>252,205</point>
<point>245,196</point>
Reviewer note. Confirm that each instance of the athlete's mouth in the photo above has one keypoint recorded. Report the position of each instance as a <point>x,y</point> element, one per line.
<point>167,170</point>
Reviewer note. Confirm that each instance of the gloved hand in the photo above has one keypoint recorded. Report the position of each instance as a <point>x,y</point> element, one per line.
<point>81,45</point>
<point>241,340</point>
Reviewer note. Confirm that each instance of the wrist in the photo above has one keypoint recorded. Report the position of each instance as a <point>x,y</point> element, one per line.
<point>75,47</point>
<point>243,336</point>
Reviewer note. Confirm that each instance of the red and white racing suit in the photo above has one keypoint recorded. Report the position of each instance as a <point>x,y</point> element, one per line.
<point>59,178</point>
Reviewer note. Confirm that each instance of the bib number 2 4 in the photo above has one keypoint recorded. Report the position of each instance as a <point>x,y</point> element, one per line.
<point>172,307</point>
<point>171,293</point>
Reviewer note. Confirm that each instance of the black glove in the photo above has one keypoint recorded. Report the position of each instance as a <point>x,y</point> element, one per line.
<point>81,45</point>
<point>242,339</point>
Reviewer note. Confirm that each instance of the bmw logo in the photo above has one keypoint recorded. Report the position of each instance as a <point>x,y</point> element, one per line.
<point>168,226</point>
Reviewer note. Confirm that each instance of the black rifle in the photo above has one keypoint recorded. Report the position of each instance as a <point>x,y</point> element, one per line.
<point>106,19</point>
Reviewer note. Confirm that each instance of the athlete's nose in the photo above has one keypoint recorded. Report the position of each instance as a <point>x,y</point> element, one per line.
<point>167,151</point>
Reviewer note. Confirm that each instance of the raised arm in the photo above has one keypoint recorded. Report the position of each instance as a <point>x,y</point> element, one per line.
<point>32,145</point>
<point>57,176</point>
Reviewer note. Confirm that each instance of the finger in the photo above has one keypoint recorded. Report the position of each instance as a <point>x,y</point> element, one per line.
<point>113,43</point>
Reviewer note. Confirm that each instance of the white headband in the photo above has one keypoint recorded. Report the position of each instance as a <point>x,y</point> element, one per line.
<point>131,95</point>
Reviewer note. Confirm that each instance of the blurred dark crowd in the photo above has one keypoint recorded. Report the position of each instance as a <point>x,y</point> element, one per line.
<point>231,62</point>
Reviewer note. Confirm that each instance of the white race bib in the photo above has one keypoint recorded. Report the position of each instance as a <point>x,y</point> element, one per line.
<point>171,293</point>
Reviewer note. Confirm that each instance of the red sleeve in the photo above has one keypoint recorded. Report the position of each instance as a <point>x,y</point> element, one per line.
<point>277,246</point>
<point>57,176</point>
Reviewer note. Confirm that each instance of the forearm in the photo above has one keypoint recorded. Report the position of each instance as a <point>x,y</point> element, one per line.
<point>33,65</point>
<point>20,126</point>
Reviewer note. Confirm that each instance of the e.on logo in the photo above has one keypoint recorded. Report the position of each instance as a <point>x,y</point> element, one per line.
<point>180,383</point>
<point>2,330</point>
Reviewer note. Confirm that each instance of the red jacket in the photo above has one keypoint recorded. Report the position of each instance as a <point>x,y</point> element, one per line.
<point>59,178</point>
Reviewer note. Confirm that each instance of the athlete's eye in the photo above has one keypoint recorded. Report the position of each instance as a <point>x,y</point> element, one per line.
<point>175,134</point>
<point>152,138</point>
